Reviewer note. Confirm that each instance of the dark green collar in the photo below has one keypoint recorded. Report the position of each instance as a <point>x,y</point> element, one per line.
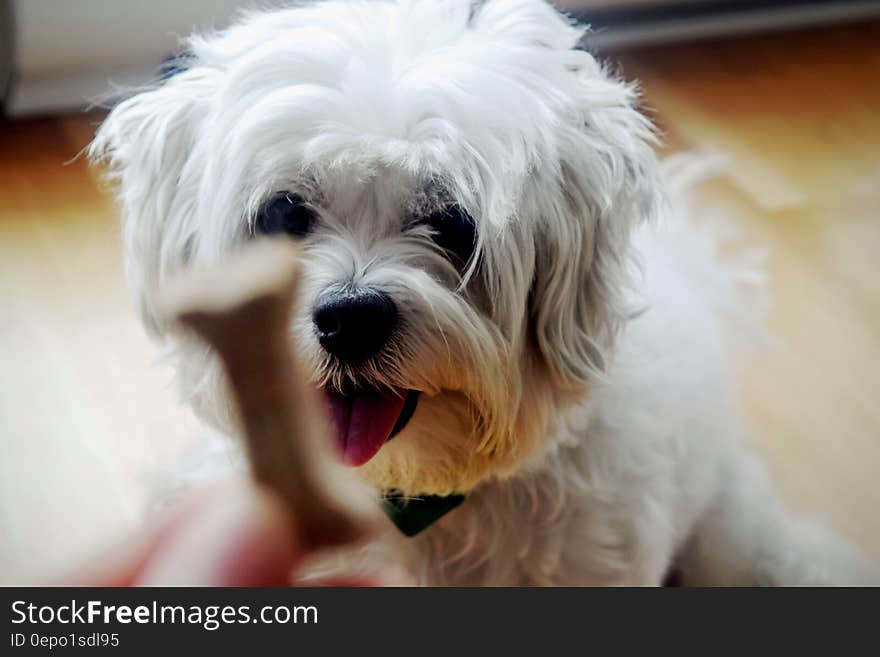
<point>413,514</point>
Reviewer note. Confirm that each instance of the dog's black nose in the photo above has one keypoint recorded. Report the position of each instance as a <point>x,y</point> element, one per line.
<point>355,324</point>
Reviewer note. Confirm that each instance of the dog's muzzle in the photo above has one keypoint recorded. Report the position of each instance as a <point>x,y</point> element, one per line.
<point>353,325</point>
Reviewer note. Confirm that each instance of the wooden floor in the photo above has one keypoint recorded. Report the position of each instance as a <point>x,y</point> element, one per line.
<point>83,404</point>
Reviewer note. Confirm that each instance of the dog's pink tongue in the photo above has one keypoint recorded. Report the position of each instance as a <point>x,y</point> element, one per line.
<point>363,422</point>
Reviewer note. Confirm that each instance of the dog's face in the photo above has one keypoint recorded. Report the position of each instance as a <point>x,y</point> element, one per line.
<point>462,182</point>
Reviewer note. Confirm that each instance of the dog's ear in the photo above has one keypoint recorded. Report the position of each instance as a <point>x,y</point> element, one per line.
<point>581,291</point>
<point>146,142</point>
<point>603,185</point>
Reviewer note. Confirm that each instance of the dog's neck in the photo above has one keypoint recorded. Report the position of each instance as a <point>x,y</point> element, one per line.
<point>524,512</point>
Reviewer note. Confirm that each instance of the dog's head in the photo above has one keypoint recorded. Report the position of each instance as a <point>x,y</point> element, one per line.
<point>463,182</point>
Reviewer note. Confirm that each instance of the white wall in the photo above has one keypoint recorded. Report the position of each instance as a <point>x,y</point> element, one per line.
<point>67,52</point>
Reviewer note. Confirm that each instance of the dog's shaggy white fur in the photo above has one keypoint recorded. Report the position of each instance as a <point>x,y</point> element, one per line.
<point>574,374</point>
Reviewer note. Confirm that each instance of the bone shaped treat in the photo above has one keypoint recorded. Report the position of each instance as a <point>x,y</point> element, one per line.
<point>243,312</point>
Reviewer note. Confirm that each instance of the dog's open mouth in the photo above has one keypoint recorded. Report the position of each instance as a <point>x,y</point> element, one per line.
<point>364,420</point>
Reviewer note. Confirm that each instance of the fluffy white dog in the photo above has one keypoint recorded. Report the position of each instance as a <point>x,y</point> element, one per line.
<point>498,301</point>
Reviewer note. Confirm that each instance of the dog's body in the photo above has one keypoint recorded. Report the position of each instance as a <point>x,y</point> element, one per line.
<point>487,303</point>
<point>648,476</point>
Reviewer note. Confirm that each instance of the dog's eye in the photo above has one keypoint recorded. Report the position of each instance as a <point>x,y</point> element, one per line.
<point>454,232</point>
<point>285,213</point>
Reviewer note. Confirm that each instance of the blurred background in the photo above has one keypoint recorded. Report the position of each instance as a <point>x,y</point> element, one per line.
<point>788,90</point>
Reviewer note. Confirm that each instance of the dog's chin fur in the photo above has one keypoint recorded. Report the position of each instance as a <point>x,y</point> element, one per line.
<point>445,450</point>
<point>380,113</point>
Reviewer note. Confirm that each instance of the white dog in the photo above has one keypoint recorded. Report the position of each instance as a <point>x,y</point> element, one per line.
<point>497,302</point>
